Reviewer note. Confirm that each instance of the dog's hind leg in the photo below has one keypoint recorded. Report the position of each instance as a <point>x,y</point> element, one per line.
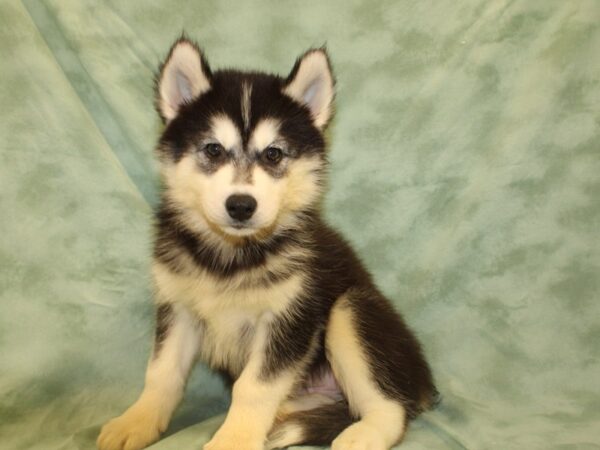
<point>176,345</point>
<point>382,417</point>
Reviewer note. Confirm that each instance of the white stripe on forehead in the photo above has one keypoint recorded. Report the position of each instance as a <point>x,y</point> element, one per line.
<point>246,94</point>
<point>224,130</point>
<point>264,134</point>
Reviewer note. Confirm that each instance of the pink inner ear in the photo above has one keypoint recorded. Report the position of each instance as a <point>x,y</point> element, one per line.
<point>184,86</point>
<point>312,85</point>
<point>182,79</point>
<point>312,91</point>
<point>180,90</point>
<point>311,94</point>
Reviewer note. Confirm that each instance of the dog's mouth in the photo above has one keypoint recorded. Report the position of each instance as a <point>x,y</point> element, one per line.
<point>240,229</point>
<point>236,231</point>
<point>239,225</point>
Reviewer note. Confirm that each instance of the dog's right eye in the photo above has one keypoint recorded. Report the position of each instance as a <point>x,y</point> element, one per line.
<point>214,151</point>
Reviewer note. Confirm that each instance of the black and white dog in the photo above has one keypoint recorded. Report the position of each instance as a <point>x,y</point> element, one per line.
<point>251,281</point>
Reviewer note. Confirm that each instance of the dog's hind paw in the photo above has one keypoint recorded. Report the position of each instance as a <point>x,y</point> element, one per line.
<point>359,436</point>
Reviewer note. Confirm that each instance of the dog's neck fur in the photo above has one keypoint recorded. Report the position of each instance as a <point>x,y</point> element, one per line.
<point>183,238</point>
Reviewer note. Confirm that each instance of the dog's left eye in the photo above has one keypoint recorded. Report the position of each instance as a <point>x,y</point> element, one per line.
<point>272,155</point>
<point>214,150</point>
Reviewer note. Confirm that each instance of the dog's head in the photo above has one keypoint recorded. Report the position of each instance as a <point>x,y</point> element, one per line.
<point>243,153</point>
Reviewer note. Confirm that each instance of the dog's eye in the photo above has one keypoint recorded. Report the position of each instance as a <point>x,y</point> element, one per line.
<point>214,151</point>
<point>272,155</point>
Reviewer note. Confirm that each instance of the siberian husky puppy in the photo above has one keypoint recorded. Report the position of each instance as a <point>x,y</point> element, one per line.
<point>251,281</point>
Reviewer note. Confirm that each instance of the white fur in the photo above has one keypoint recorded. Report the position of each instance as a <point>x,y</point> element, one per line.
<point>304,403</point>
<point>313,86</point>
<point>288,434</point>
<point>382,419</point>
<point>303,184</point>
<point>166,375</point>
<point>226,133</point>
<point>207,194</point>
<point>182,79</point>
<point>265,133</point>
<point>208,295</point>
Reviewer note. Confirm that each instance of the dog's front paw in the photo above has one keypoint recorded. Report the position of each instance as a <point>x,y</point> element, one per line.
<point>359,436</point>
<point>138,427</point>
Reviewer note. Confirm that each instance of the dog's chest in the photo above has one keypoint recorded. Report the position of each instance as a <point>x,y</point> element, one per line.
<point>226,339</point>
<point>228,313</point>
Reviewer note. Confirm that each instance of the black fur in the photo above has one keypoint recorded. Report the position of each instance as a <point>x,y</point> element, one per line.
<point>394,353</point>
<point>395,357</point>
<point>164,316</point>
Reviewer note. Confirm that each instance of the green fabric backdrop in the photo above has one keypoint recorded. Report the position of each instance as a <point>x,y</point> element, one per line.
<point>465,169</point>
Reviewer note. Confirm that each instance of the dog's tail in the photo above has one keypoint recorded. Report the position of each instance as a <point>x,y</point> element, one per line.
<point>318,426</point>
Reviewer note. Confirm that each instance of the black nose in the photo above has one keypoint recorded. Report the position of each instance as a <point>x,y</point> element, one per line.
<point>240,207</point>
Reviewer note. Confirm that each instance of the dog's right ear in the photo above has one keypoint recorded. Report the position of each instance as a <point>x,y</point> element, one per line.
<point>183,76</point>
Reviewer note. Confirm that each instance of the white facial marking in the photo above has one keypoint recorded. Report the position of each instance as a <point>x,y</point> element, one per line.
<point>210,192</point>
<point>302,183</point>
<point>277,198</point>
<point>268,192</point>
<point>264,134</point>
<point>225,132</point>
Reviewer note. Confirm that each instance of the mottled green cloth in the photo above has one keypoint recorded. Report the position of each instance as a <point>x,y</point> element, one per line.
<point>465,170</point>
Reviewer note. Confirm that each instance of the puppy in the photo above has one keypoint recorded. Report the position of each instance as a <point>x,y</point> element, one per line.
<point>250,280</point>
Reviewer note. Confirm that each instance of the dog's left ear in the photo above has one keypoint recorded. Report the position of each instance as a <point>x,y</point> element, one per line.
<point>183,76</point>
<point>311,83</point>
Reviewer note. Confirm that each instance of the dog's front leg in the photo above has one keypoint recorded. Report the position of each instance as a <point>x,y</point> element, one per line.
<point>176,345</point>
<point>256,396</point>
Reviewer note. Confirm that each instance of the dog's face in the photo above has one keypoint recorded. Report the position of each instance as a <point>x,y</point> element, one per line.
<point>243,154</point>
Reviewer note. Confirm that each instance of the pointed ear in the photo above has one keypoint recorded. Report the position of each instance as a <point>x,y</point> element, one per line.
<point>311,83</point>
<point>183,76</point>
